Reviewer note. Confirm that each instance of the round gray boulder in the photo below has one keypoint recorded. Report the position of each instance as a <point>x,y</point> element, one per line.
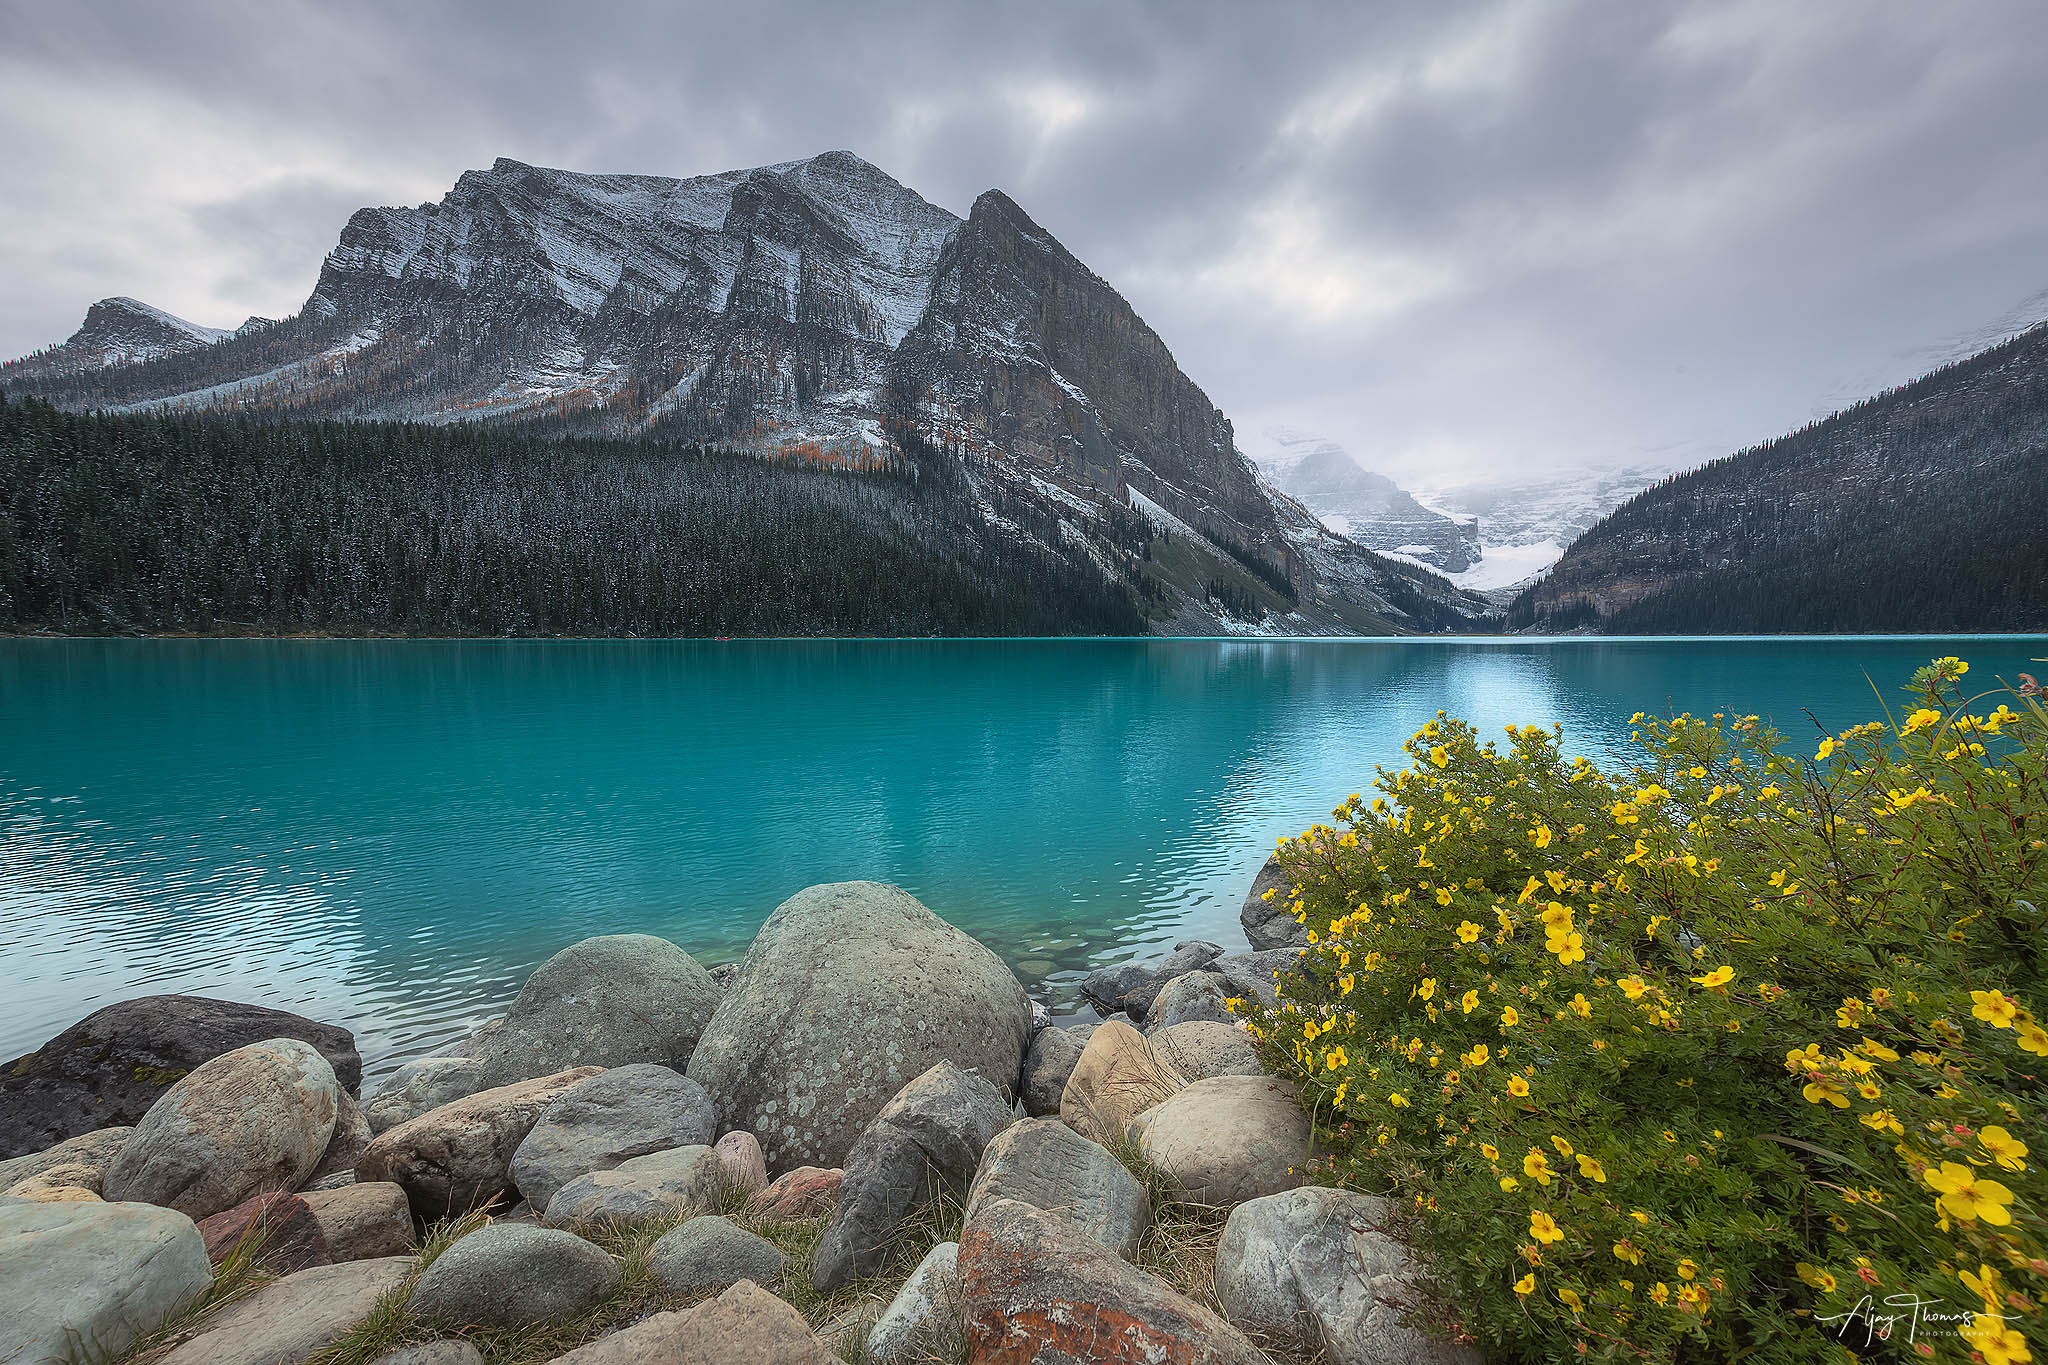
<point>86,1280</point>
<point>607,1001</point>
<point>513,1275</point>
<point>1266,919</point>
<point>1227,1139</point>
<point>1185,999</point>
<point>1044,1163</point>
<point>254,1119</point>
<point>613,1117</point>
<point>420,1087</point>
<point>850,991</point>
<point>641,1190</point>
<point>711,1253</point>
<point>1202,1048</point>
<point>1048,1064</point>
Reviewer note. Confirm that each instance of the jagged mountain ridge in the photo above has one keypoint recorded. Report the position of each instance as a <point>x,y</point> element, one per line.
<point>817,307</point>
<point>120,331</point>
<point>1367,507</point>
<point>1916,510</point>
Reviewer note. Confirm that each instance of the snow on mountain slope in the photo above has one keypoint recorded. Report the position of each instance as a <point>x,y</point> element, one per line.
<point>1369,508</point>
<point>125,331</point>
<point>1526,521</point>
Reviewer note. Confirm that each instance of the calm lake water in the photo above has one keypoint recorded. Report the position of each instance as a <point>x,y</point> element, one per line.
<point>390,835</point>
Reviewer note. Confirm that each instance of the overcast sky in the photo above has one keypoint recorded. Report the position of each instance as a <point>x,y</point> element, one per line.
<point>1457,238</point>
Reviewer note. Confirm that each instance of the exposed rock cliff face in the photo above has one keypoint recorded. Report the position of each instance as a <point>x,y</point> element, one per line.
<point>119,331</point>
<point>816,308</point>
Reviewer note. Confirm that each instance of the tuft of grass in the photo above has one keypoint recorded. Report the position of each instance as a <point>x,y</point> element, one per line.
<point>240,1273</point>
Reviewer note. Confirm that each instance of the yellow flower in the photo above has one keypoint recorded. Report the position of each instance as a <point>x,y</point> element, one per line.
<point>1443,895</point>
<point>2034,1039</point>
<point>1920,720</point>
<point>1571,1300</point>
<point>1626,1251</point>
<point>1540,836</point>
<point>1470,1002</point>
<point>2003,1148</point>
<point>1965,1197</point>
<point>1509,1018</point>
<point>1994,1008</point>
<point>1478,1056</point>
<point>1518,1087</point>
<point>1825,1092</point>
<point>1398,1100</point>
<point>1827,746</point>
<point>1544,1228</point>
<point>1640,1216</point>
<point>1526,1285</point>
<point>1659,1292</point>
<point>1581,1006</point>
<point>1428,987</point>
<point>1883,1121</point>
<point>1997,1343</point>
<point>1468,932</point>
<point>1687,1269</point>
<point>1564,1149</point>
<point>1536,1166</point>
<point>1592,1169</point>
<point>1489,1151</point>
<point>1509,1184</point>
<point>1634,987</point>
<point>1715,980</point>
<point>1818,1278</point>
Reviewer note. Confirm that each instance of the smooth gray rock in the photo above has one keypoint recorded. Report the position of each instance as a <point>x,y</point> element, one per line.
<point>420,1087</point>
<point>1189,955</point>
<point>1106,987</point>
<point>1227,1139</point>
<point>709,1254</point>
<point>607,1001</point>
<point>848,992</point>
<point>922,1323</point>
<point>1048,1064</point>
<point>935,1129</point>
<point>254,1119</point>
<point>91,1153</point>
<point>746,1325</point>
<point>1311,1267</point>
<point>433,1353</point>
<point>1267,923</point>
<point>1202,1048</point>
<point>290,1321</point>
<point>641,1190</point>
<point>108,1068</point>
<point>1186,999</point>
<point>364,1221</point>
<point>85,1281</point>
<point>501,1276</point>
<point>612,1117</point>
<point>1250,975</point>
<point>1044,1163</point>
<point>1118,1077</point>
<point>459,1156</point>
<point>351,1137</point>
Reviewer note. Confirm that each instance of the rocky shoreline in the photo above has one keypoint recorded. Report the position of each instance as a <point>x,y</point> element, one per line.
<point>865,1143</point>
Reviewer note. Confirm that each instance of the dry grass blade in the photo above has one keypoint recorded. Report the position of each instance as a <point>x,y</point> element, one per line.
<point>240,1273</point>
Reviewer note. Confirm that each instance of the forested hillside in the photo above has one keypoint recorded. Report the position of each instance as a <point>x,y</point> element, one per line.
<point>1918,510</point>
<point>167,524</point>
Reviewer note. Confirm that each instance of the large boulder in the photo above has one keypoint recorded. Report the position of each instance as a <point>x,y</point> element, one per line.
<point>1044,1163</point>
<point>254,1119</point>
<point>1106,987</point>
<point>1047,1065</point>
<point>460,1155</point>
<point>746,1325</point>
<point>1227,1139</point>
<point>1197,996</point>
<point>420,1087</point>
<point>291,1320</point>
<point>1202,1048</point>
<point>645,1189</point>
<point>277,1230</point>
<point>708,1254</point>
<point>922,1323</point>
<point>1117,1077</point>
<point>364,1221</point>
<point>111,1066</point>
<point>612,1117</point>
<point>351,1139</point>
<point>1250,976</point>
<point>848,992</point>
<point>607,1001</point>
<point>1035,1292</point>
<point>508,1275</point>
<point>84,1281</point>
<point>1130,986</point>
<point>84,1159</point>
<point>933,1132</point>
<point>1268,923</point>
<point>1312,1268</point>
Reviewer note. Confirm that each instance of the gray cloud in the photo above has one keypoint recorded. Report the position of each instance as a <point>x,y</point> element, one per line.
<point>1450,236</point>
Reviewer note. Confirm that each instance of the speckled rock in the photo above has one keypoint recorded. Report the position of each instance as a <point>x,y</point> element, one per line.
<point>58,1185</point>
<point>849,991</point>
<point>1189,955</point>
<point>1047,1065</point>
<point>644,1189</point>
<point>257,1118</point>
<point>460,1155</point>
<point>934,1130</point>
<point>1267,922</point>
<point>746,1325</point>
<point>351,1138</point>
<point>1044,1163</point>
<point>746,1168</point>
<point>608,1001</point>
<point>806,1192</point>
<point>1117,1078</point>
<point>1227,1139</point>
<point>420,1087</point>
<point>513,1277</point>
<point>1250,976</point>
<point>84,1281</point>
<point>363,1221</point>
<point>1034,1292</point>
<point>85,1159</point>
<point>922,1323</point>
<point>1187,999</point>
<point>712,1253</point>
<point>1311,1267</point>
<point>291,1320</point>
<point>612,1117</point>
<point>1202,1048</point>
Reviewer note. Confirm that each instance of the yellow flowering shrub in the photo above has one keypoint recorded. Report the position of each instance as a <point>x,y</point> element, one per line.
<point>1683,1062</point>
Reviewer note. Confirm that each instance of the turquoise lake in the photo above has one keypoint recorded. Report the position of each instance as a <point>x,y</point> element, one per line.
<point>390,835</point>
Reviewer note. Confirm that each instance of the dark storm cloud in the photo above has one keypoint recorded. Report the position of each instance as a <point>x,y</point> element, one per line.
<point>1485,234</point>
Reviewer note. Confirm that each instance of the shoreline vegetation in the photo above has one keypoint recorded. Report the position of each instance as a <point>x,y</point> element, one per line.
<point>1526,1060</point>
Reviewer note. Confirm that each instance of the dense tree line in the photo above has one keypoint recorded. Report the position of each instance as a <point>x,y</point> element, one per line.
<point>1918,510</point>
<point>155,523</point>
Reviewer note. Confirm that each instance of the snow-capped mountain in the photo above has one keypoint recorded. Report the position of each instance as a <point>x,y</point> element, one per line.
<point>1369,508</point>
<point>124,331</point>
<point>1525,522</point>
<point>814,307</point>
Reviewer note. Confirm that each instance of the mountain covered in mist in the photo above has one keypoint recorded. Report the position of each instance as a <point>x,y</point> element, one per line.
<point>815,312</point>
<point>1367,507</point>
<point>1917,510</point>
